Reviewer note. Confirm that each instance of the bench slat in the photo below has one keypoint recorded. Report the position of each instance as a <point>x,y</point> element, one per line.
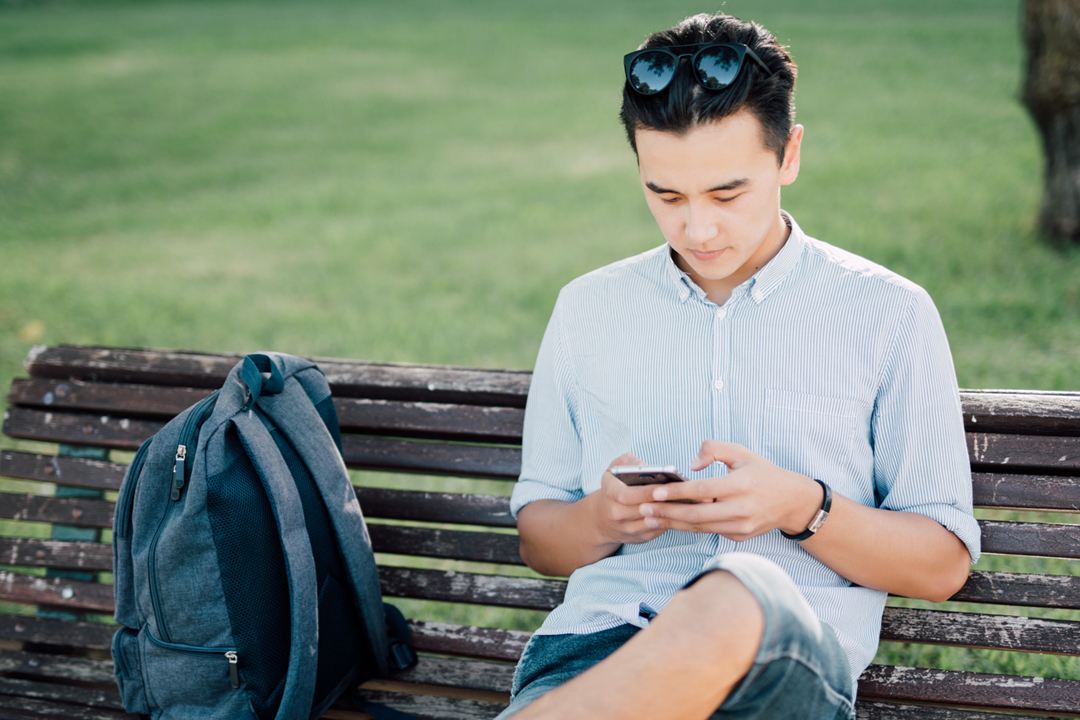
<point>56,667</point>
<point>387,381</point>
<point>16,707</point>
<point>872,710</point>
<point>451,586</point>
<point>49,631</point>
<point>79,472</point>
<point>83,512</point>
<point>433,706</point>
<point>485,643</point>
<point>977,690</point>
<point>356,415</point>
<point>57,592</point>
<point>992,632</point>
<point>992,490</point>
<point>78,555</point>
<point>1034,539</point>
<point>449,544</point>
<point>76,697</point>
<point>490,510</point>
<point>1025,453</point>
<point>1026,492</point>
<point>1020,412</point>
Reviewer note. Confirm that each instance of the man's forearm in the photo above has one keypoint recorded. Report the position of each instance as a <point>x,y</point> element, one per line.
<point>559,537</point>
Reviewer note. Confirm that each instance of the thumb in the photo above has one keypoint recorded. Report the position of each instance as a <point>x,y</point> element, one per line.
<point>730,454</point>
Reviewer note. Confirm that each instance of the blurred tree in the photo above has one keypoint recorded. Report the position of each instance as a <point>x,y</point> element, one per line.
<point>1052,95</point>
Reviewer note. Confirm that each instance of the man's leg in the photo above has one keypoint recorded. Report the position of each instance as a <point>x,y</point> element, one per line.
<point>681,666</point>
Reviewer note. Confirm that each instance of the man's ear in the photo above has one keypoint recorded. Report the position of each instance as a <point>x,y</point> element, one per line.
<point>789,169</point>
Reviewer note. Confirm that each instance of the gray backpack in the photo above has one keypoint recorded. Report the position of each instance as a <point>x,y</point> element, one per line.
<point>244,576</point>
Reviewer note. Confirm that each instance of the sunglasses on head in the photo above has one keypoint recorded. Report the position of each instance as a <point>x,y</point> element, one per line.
<point>715,65</point>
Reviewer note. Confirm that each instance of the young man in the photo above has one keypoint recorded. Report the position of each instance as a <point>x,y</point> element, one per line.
<point>785,377</point>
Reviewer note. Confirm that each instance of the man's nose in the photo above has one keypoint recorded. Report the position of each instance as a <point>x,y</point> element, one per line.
<point>700,226</point>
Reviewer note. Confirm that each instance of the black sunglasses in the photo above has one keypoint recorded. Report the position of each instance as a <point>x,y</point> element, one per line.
<point>715,65</point>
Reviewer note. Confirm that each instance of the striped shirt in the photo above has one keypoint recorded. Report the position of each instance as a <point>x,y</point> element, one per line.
<point>823,363</point>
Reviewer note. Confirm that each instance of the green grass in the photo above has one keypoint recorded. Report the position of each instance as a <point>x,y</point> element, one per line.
<point>414,181</point>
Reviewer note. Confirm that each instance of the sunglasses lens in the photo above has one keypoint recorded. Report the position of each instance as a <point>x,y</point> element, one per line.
<point>716,67</point>
<point>651,72</point>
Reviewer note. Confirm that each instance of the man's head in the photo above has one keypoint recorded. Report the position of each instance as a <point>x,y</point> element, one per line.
<point>684,104</point>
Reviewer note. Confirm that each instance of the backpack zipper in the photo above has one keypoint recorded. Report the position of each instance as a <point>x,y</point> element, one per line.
<point>127,499</point>
<point>230,655</point>
<point>192,423</point>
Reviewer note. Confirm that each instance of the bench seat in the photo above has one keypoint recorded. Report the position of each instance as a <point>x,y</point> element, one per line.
<point>466,423</point>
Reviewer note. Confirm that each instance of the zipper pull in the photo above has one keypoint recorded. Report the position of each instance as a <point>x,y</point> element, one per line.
<point>234,672</point>
<point>178,472</point>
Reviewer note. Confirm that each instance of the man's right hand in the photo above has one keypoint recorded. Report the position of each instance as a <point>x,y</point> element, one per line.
<point>559,537</point>
<point>617,507</point>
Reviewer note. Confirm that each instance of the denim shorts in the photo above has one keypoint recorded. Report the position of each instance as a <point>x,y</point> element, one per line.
<point>800,671</point>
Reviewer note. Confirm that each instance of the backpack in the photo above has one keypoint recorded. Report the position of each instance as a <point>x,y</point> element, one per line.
<point>245,582</point>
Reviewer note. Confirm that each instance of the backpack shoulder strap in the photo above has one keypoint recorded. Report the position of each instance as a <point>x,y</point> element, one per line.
<point>293,413</point>
<point>299,690</point>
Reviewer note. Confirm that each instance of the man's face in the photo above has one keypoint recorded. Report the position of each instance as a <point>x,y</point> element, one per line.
<point>715,193</point>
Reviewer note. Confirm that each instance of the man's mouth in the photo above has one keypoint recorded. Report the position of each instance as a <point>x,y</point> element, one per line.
<point>707,255</point>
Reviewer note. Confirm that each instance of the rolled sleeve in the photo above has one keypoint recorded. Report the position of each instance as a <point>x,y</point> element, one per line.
<point>551,446</point>
<point>920,450</point>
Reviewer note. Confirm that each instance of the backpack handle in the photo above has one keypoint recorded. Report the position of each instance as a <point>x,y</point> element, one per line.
<point>251,373</point>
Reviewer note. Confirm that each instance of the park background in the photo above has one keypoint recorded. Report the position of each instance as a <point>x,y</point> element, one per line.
<point>415,180</point>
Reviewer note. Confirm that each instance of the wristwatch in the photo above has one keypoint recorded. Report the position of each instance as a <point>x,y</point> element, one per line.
<point>819,519</point>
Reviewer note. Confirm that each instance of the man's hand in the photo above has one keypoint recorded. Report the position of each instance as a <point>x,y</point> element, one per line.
<point>617,507</point>
<point>754,498</point>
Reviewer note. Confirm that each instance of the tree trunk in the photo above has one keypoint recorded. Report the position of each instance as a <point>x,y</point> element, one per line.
<point>1052,95</point>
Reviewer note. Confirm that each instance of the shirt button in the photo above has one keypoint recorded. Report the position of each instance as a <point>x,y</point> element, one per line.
<point>719,384</point>
<point>721,314</point>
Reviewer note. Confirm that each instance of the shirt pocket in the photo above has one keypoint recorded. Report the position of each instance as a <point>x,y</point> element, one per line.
<point>811,434</point>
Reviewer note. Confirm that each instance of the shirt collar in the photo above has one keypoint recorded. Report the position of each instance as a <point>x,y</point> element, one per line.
<point>764,280</point>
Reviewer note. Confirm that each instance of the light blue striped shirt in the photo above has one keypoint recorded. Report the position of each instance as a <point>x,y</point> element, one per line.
<point>823,362</point>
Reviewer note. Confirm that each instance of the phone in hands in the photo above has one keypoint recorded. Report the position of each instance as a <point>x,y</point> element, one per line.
<point>649,475</point>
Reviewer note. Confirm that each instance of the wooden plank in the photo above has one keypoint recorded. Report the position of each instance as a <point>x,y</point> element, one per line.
<point>485,643</point>
<point>57,592</point>
<point>78,428</point>
<point>429,458</point>
<point>83,512</point>
<point>1021,412</point>
<point>1024,453</point>
<point>347,378</point>
<point>450,544</point>
<point>442,421</point>
<point>434,707</point>
<point>1026,492</point>
<point>976,690</point>
<point>23,708</point>
<point>471,674</point>
<point>56,554</point>
<point>451,586</point>
<point>872,710</point>
<point>1035,539</point>
<point>490,510</point>
<point>1000,588</point>
<point>62,633</point>
<point>993,632</point>
<point>63,700</point>
<point>56,668</point>
<point>78,472</point>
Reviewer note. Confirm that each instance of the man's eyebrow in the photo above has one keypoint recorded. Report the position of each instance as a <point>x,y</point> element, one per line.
<point>732,185</point>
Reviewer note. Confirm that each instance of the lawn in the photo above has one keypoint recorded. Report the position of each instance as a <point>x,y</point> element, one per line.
<point>414,181</point>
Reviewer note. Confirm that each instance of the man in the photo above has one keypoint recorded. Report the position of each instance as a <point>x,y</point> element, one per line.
<point>807,393</point>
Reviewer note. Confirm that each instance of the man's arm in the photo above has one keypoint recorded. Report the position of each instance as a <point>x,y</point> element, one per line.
<point>558,537</point>
<point>903,553</point>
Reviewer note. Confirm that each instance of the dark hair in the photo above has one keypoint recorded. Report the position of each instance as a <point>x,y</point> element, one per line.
<point>684,104</point>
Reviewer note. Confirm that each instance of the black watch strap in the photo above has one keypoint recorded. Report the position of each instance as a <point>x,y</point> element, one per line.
<point>819,519</point>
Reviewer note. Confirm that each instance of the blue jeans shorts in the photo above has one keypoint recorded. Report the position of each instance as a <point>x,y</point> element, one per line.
<point>800,671</point>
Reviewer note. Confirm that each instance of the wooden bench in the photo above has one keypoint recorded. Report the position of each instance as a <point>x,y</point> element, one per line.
<point>1025,454</point>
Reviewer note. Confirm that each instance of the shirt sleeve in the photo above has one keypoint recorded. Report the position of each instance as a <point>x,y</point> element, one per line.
<point>551,445</point>
<point>920,450</point>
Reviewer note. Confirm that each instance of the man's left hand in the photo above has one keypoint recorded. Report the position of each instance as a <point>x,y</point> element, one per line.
<point>754,498</point>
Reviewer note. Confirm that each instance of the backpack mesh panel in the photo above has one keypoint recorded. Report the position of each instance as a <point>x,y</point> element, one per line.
<point>341,636</point>
<point>253,578</point>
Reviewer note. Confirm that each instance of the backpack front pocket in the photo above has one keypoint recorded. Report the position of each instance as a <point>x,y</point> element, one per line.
<point>193,681</point>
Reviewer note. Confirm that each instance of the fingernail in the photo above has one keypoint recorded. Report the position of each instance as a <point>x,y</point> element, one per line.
<point>651,522</point>
<point>660,494</point>
<point>646,510</point>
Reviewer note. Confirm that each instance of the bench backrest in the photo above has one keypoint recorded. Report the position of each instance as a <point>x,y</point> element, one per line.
<point>443,421</point>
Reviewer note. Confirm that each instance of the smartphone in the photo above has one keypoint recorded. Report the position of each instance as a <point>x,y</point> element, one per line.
<point>650,475</point>
<point>647,474</point>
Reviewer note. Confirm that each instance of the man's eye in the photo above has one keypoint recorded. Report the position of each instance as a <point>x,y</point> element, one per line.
<point>670,200</point>
<point>728,199</point>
